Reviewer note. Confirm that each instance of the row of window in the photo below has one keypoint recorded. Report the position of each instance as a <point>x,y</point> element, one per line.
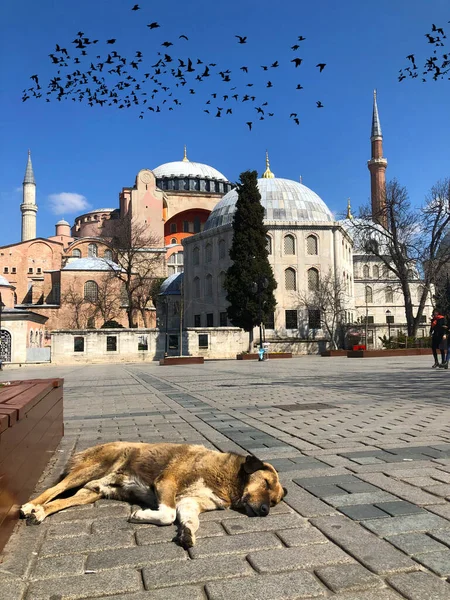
<point>386,273</point>
<point>36,338</point>
<point>388,294</point>
<point>389,319</point>
<point>194,226</point>
<point>93,252</point>
<point>14,270</point>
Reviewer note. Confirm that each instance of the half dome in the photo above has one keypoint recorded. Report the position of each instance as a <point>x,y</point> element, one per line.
<point>283,200</point>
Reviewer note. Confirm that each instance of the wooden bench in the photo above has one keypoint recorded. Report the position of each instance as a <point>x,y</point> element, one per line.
<point>31,427</point>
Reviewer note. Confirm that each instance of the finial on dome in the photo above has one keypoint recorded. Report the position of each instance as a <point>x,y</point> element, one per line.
<point>301,179</point>
<point>268,173</point>
<point>349,210</point>
<point>185,158</point>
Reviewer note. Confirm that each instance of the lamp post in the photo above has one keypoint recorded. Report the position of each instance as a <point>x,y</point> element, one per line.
<point>166,299</point>
<point>367,322</point>
<point>258,287</point>
<point>2,306</point>
<point>388,319</point>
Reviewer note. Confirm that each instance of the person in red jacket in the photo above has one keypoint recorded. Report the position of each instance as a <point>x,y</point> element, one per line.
<point>438,334</point>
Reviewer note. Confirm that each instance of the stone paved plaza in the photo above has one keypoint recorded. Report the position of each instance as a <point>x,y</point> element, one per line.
<point>362,445</point>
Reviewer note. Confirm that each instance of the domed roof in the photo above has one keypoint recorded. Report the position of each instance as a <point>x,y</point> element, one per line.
<point>282,199</point>
<point>171,285</point>
<point>4,282</point>
<point>187,168</point>
<point>63,222</point>
<point>91,264</point>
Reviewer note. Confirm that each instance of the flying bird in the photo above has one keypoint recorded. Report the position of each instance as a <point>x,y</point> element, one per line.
<point>183,37</point>
<point>112,41</point>
<point>321,66</point>
<point>301,38</point>
<point>250,123</point>
<point>295,47</point>
<point>242,39</point>
<point>153,25</point>
<point>136,7</point>
<point>299,87</point>
<point>319,104</point>
<point>297,61</point>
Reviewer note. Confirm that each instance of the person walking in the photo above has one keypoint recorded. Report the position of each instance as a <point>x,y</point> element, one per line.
<point>438,334</point>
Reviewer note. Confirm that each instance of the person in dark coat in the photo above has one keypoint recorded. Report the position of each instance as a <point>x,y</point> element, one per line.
<point>438,334</point>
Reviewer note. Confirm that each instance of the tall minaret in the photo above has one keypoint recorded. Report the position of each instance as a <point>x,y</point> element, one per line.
<point>28,206</point>
<point>377,167</point>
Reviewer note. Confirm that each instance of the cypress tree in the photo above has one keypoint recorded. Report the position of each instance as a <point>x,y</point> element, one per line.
<point>250,260</point>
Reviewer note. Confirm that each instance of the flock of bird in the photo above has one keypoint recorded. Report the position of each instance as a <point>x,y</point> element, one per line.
<point>437,66</point>
<point>84,75</point>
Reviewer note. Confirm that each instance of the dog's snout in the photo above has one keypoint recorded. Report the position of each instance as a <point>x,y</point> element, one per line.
<point>264,510</point>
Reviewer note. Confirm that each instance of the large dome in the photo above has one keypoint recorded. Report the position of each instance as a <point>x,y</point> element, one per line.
<point>186,168</point>
<point>282,199</point>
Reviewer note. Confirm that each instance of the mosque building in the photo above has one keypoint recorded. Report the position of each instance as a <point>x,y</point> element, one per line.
<point>188,208</point>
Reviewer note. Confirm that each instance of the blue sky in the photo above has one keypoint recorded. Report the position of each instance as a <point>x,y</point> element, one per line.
<point>94,152</point>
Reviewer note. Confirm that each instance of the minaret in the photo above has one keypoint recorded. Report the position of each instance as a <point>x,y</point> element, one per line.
<point>377,167</point>
<point>28,206</point>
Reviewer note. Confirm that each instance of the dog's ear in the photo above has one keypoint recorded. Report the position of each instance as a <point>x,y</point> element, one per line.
<point>252,464</point>
<point>284,492</point>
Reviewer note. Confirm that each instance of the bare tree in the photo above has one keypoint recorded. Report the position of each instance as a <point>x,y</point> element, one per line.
<point>329,301</point>
<point>107,304</point>
<point>412,241</point>
<point>78,309</point>
<point>140,256</point>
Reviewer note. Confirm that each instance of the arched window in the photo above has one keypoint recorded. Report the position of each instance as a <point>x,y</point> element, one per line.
<point>290,280</point>
<point>196,287</point>
<point>40,339</point>
<point>208,285</point>
<point>90,291</point>
<point>369,294</point>
<point>76,253</point>
<point>222,249</point>
<point>313,280</point>
<point>389,295</point>
<point>196,256</point>
<point>208,253</point>
<point>269,244</point>
<point>92,250</point>
<point>289,244</point>
<point>107,254</point>
<point>376,271</point>
<point>311,245</point>
<point>173,241</point>
<point>385,272</point>
<point>366,272</point>
<point>31,338</point>
<point>221,281</point>
<point>410,274</point>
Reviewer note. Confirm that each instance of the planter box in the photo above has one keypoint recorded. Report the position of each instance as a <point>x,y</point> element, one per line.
<point>31,427</point>
<point>255,355</point>
<point>334,353</point>
<point>381,353</point>
<point>182,360</point>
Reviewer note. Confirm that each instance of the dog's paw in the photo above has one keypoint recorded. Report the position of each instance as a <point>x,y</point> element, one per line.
<point>186,538</point>
<point>136,517</point>
<point>37,516</point>
<point>26,510</point>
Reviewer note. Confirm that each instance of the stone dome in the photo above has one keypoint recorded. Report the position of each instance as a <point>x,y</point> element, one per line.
<point>187,168</point>
<point>283,200</point>
<point>63,222</point>
<point>4,282</point>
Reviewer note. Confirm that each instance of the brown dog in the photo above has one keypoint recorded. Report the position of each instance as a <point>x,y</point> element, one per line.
<point>177,481</point>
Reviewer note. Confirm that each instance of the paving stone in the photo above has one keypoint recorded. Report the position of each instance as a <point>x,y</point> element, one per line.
<point>196,571</point>
<point>323,491</point>
<point>442,536</point>
<point>420,586</point>
<point>400,508</point>
<point>185,592</point>
<point>12,589</point>
<point>155,535</point>
<point>370,595</point>
<point>361,498</point>
<point>442,511</point>
<point>308,482</point>
<point>301,537</point>
<point>138,556</point>
<point>361,512</point>
<point>305,557</point>
<point>236,544</point>
<point>402,490</point>
<point>70,529</point>
<point>305,503</point>
<point>394,525</point>
<point>415,543</point>
<point>59,566</point>
<point>269,523</point>
<point>289,586</point>
<point>343,578</point>
<point>93,513</point>
<point>442,489</point>
<point>93,585</point>
<point>87,543</point>
<point>438,562</point>
<point>362,486</point>
<point>375,554</point>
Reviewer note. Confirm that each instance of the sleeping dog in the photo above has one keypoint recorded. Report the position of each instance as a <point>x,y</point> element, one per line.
<point>175,482</point>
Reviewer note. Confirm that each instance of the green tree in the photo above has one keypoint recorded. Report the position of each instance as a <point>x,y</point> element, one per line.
<point>249,281</point>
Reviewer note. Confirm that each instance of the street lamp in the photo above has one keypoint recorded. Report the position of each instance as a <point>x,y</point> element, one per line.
<point>258,287</point>
<point>166,298</point>
<point>2,306</point>
<point>388,319</point>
